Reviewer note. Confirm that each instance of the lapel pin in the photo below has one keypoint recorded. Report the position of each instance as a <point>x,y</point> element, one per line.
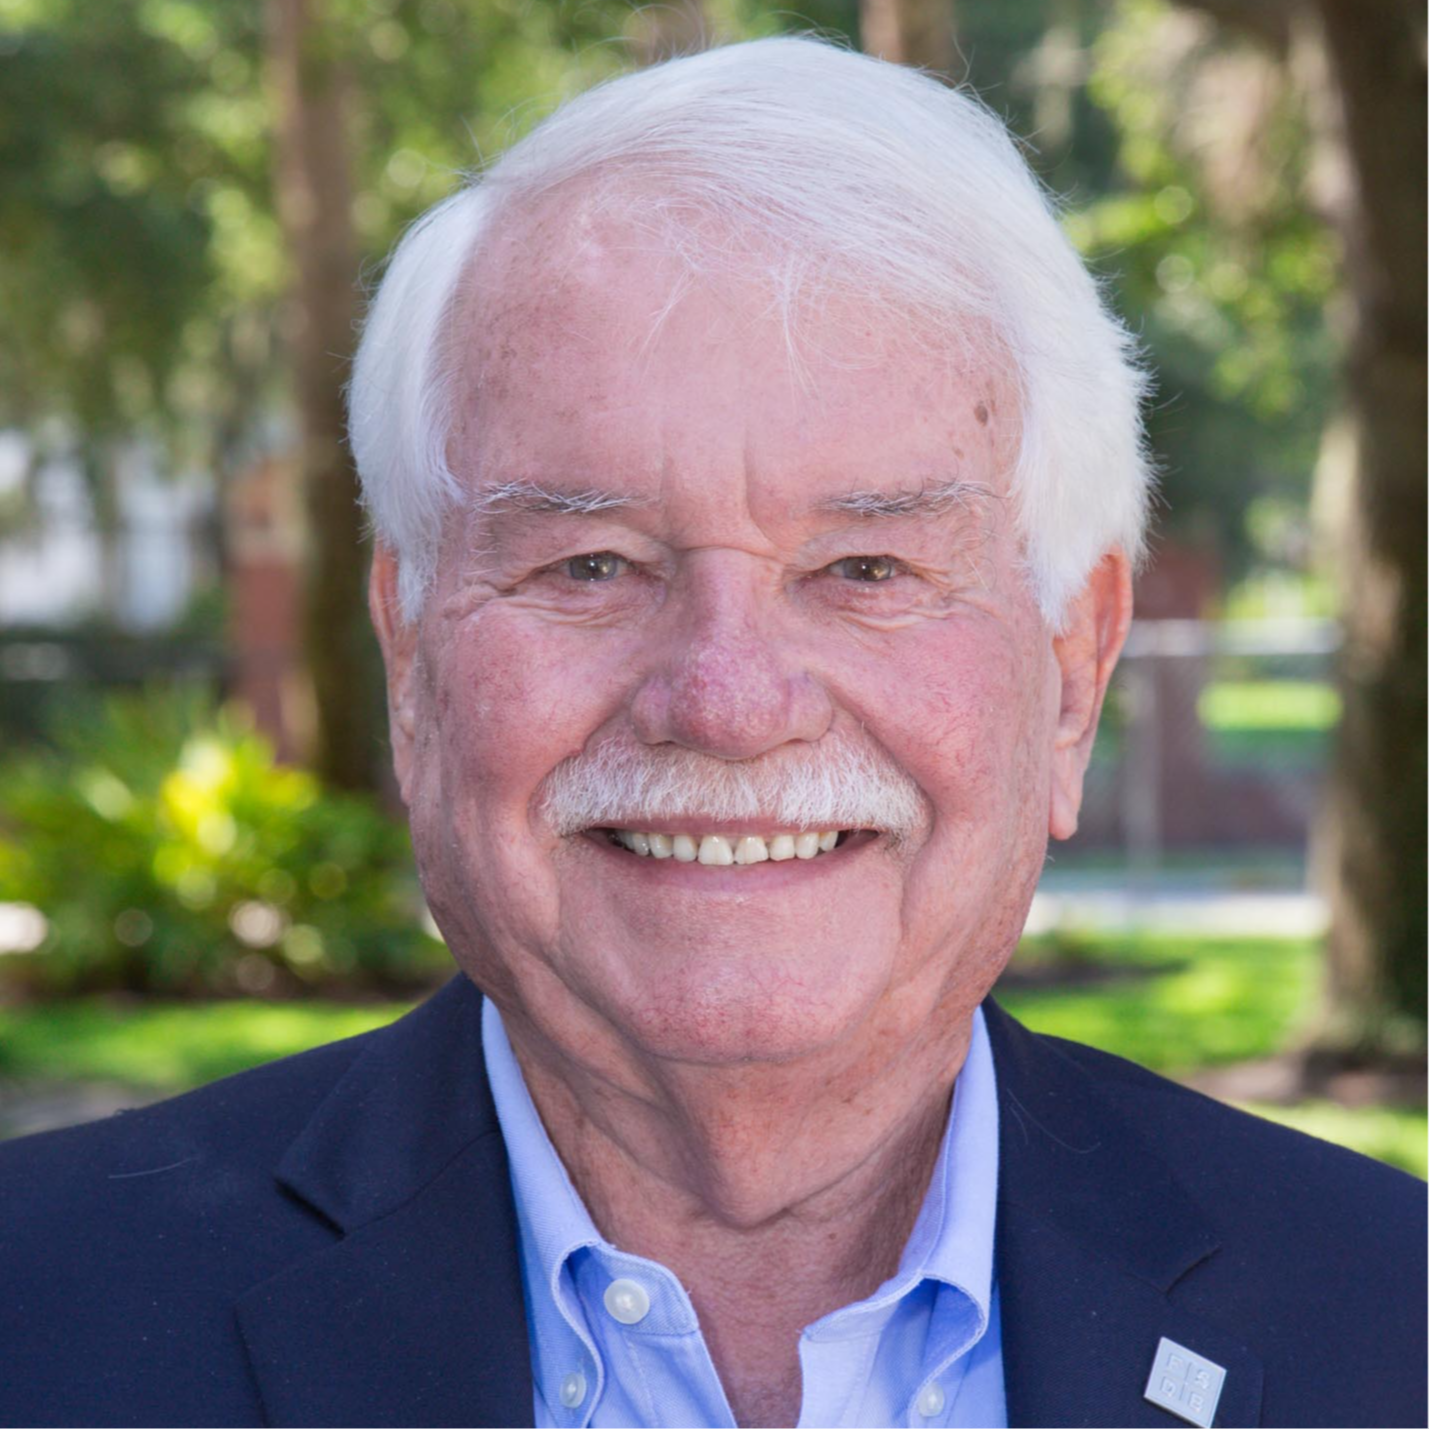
<point>1184,1383</point>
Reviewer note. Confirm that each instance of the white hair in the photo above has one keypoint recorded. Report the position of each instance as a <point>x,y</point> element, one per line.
<point>833,784</point>
<point>857,176</point>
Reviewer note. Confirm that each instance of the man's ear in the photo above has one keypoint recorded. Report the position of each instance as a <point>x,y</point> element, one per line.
<point>1087,649</point>
<point>398,639</point>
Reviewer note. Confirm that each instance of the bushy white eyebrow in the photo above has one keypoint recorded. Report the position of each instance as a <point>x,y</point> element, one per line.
<point>530,498</point>
<point>936,499</point>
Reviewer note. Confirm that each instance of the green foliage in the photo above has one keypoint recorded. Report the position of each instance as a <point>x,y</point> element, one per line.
<point>1222,266</point>
<point>82,181</point>
<point>142,268</point>
<point>1269,704</point>
<point>169,852</point>
<point>1265,723</point>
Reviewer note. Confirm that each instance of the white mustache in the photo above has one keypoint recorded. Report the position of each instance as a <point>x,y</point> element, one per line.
<point>835,785</point>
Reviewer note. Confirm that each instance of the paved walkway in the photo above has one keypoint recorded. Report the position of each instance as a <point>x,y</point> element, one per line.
<point>1115,908</point>
<point>44,1106</point>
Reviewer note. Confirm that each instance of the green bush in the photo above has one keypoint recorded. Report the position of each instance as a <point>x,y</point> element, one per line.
<point>170,853</point>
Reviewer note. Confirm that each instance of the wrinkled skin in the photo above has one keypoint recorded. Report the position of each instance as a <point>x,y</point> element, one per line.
<point>764,1045</point>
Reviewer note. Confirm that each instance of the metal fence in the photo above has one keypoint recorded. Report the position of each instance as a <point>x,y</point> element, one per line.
<point>1216,737</point>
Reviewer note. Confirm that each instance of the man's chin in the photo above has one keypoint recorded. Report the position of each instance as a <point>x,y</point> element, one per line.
<point>716,996</point>
<point>729,964</point>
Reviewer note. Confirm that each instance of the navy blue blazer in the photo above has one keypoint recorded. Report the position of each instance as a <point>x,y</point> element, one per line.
<point>330,1240</point>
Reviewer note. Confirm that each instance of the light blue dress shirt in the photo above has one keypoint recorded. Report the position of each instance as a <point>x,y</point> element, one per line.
<point>615,1339</point>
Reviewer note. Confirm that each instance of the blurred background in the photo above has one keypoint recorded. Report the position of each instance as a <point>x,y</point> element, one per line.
<point>202,862</point>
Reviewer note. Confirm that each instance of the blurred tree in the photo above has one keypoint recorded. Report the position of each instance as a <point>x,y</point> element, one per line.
<point>144,267</point>
<point>102,256</point>
<point>1361,69</point>
<point>661,32</point>
<point>309,58</point>
<point>922,33</point>
<point>1374,474</point>
<point>1222,269</point>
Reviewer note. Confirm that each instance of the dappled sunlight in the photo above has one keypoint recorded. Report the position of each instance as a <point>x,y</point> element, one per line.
<point>1218,1000</point>
<point>1392,1134</point>
<point>170,1047</point>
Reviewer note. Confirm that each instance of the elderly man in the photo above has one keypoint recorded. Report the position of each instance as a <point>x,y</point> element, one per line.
<point>756,479</point>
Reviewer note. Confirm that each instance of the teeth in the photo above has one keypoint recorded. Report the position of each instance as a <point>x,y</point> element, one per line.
<point>721,851</point>
<point>716,851</point>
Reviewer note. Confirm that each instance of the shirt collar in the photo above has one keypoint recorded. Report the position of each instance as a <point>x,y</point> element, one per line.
<point>553,1219</point>
<point>952,1238</point>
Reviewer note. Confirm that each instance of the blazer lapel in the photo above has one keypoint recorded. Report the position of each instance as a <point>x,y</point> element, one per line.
<point>1093,1233</point>
<point>414,1316</point>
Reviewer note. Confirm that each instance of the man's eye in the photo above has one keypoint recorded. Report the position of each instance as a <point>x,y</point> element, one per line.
<point>866,568</point>
<point>597,566</point>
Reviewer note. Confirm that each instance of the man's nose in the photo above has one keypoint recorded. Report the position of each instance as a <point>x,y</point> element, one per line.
<point>727,682</point>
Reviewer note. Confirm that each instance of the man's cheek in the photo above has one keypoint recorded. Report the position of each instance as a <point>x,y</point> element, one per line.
<point>517,683</point>
<point>487,708</point>
<point>960,747</point>
<point>463,848</point>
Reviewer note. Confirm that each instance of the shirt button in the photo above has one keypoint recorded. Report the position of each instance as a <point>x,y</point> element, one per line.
<point>627,1301</point>
<point>931,1400</point>
<point>573,1389</point>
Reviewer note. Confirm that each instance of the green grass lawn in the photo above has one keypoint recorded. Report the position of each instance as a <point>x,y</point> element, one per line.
<point>1180,1004</point>
<point>169,1046</point>
<point>1173,1004</point>
<point>1393,1134</point>
<point>1309,705</point>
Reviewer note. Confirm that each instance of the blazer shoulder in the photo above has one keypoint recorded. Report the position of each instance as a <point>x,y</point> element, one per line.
<point>1267,1187</point>
<point>123,1243</point>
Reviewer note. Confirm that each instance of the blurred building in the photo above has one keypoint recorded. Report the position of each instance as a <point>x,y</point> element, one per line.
<point>150,576</point>
<point>134,557</point>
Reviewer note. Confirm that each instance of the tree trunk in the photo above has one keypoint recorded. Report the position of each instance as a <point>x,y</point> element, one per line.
<point>101,471</point>
<point>312,89</point>
<point>910,32</point>
<point>667,30</point>
<point>1371,486</point>
<point>1374,846</point>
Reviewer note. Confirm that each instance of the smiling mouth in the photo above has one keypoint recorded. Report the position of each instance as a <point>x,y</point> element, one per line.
<point>729,850</point>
